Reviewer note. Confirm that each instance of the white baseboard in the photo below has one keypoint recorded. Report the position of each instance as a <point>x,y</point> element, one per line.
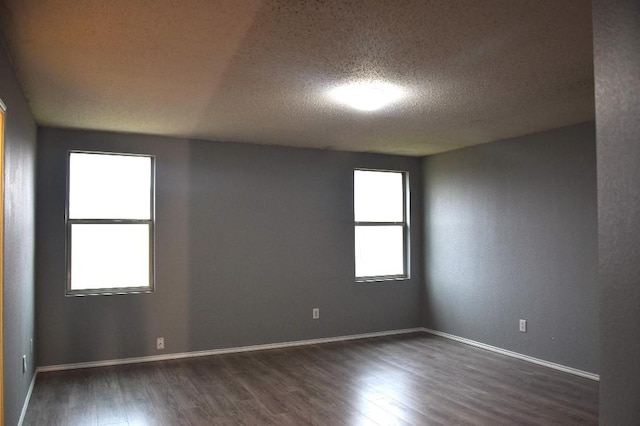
<point>27,399</point>
<point>180,355</point>
<point>512,354</point>
<point>223,351</point>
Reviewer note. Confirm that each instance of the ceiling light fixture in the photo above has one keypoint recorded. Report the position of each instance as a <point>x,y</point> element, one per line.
<point>367,96</point>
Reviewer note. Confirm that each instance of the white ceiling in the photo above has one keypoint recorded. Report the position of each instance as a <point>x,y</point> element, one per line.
<point>259,71</point>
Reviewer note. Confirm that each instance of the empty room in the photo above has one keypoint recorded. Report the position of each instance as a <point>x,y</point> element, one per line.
<point>319,212</point>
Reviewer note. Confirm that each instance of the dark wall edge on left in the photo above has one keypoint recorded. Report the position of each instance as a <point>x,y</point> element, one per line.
<point>19,241</point>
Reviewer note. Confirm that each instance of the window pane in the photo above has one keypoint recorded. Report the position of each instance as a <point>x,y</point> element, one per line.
<point>103,186</point>
<point>378,196</point>
<point>379,251</point>
<point>109,256</point>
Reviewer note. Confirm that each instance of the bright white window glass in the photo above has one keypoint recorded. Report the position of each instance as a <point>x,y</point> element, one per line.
<point>378,196</point>
<point>103,186</point>
<point>109,256</point>
<point>379,250</point>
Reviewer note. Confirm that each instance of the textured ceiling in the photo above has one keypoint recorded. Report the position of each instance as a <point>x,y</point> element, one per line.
<point>258,71</point>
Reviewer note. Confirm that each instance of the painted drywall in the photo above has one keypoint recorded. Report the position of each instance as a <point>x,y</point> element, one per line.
<point>511,233</point>
<point>19,241</point>
<point>617,75</point>
<point>249,239</point>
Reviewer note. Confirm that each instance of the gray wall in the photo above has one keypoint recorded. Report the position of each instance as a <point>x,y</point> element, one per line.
<point>19,228</point>
<point>617,73</point>
<point>510,233</point>
<point>248,240</point>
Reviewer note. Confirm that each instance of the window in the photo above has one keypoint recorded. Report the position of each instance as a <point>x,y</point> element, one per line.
<point>110,227</point>
<point>381,228</point>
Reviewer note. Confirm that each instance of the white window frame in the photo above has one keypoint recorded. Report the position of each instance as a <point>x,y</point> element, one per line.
<point>405,226</point>
<point>115,221</point>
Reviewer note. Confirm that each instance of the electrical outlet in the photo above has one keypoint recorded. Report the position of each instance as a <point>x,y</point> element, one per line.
<point>160,343</point>
<point>316,313</point>
<point>24,364</point>
<point>523,326</point>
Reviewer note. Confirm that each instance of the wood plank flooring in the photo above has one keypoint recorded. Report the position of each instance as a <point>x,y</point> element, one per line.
<point>415,379</point>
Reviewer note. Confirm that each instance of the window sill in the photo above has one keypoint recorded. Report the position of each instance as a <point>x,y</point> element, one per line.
<point>381,279</point>
<point>109,292</point>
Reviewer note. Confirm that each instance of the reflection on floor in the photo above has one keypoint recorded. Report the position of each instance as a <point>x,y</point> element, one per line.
<point>415,379</point>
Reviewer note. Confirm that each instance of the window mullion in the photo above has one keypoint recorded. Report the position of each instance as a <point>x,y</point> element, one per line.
<point>380,223</point>
<point>109,221</point>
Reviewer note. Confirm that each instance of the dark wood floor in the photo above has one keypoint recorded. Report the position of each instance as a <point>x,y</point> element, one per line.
<point>415,379</point>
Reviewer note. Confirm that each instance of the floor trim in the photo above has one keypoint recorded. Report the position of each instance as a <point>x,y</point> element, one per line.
<point>28,398</point>
<point>152,358</point>
<point>512,354</point>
